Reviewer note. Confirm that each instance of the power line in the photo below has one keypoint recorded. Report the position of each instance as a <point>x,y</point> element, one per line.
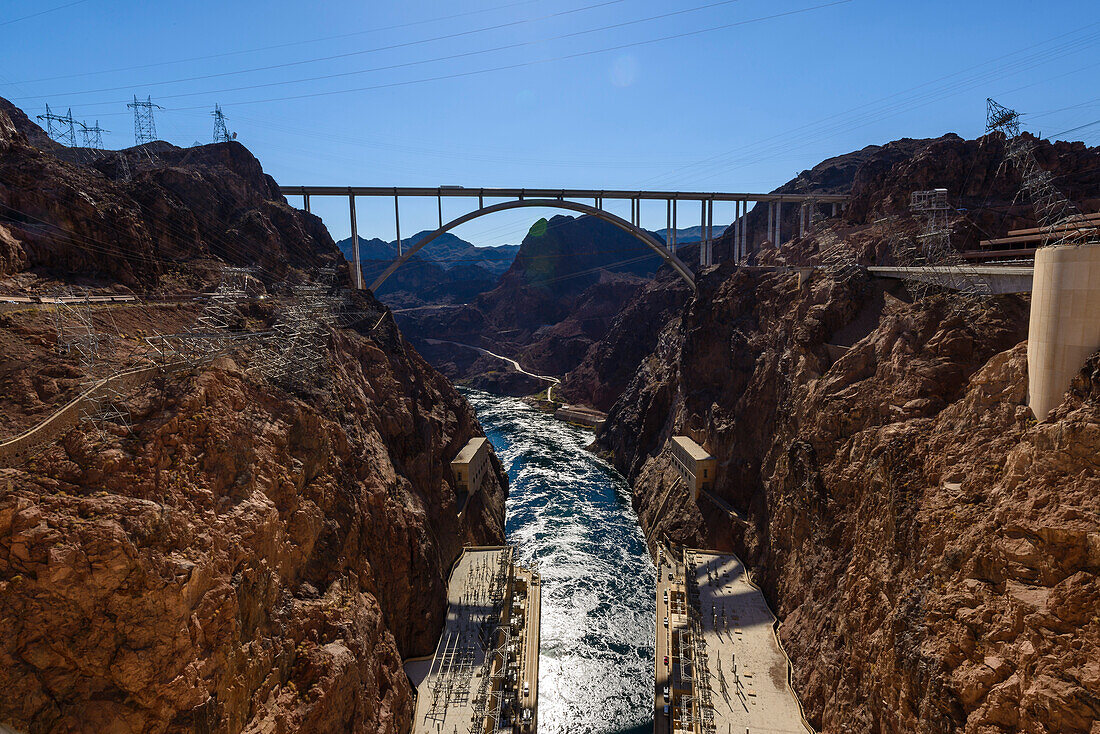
<point>846,119</point>
<point>273,46</point>
<point>1075,129</point>
<point>391,47</point>
<point>505,67</point>
<point>43,12</point>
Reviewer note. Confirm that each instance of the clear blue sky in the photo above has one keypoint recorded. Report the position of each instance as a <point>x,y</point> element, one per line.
<point>580,93</point>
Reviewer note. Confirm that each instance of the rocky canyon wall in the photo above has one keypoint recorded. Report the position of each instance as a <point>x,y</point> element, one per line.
<point>932,551</point>
<point>238,557</point>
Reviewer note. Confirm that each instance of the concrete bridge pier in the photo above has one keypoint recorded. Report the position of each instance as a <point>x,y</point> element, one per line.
<point>397,223</point>
<point>672,246</point>
<point>735,231</point>
<point>805,217</point>
<point>703,232</point>
<point>779,223</point>
<point>744,230</point>
<point>357,272</point>
<point>1064,329</point>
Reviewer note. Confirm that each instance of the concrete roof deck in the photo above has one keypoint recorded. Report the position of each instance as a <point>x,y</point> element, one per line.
<point>748,670</point>
<point>466,455</point>
<point>694,450</point>
<point>467,606</point>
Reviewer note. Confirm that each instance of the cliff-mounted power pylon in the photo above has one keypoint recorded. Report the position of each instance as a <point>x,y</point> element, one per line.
<point>1060,221</point>
<point>1064,325</point>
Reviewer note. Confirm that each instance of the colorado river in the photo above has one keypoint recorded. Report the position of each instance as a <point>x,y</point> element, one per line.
<point>570,511</point>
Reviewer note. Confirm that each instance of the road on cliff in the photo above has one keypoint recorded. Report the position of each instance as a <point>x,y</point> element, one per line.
<point>515,365</point>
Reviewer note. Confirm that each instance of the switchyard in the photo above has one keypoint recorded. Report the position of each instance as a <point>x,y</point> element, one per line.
<point>719,667</point>
<point>483,677</point>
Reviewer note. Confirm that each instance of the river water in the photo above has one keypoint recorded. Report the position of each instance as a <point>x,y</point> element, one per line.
<point>570,511</point>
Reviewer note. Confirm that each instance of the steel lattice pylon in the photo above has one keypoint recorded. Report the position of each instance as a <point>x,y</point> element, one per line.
<point>300,345</point>
<point>61,128</point>
<point>221,308</point>
<point>211,335</point>
<point>145,127</point>
<point>1059,220</point>
<point>76,335</point>
<point>93,135</point>
<point>221,132</point>
<point>937,265</point>
<point>106,408</point>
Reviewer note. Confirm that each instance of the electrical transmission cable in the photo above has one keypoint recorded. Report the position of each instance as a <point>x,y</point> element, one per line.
<point>477,72</point>
<point>42,12</point>
<point>362,52</point>
<point>288,44</point>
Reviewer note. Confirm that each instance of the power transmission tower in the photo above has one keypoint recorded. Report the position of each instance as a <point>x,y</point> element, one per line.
<point>1060,222</point>
<point>145,128</point>
<point>937,263</point>
<point>296,355</point>
<point>76,335</point>
<point>221,133</point>
<point>60,127</point>
<point>211,335</point>
<point>93,136</point>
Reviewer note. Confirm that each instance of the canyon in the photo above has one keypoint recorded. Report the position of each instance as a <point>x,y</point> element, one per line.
<point>250,555</point>
<point>241,558</point>
<point>930,549</point>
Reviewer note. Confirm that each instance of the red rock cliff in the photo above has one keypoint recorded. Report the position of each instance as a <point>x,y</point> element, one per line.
<point>933,553</point>
<point>244,559</point>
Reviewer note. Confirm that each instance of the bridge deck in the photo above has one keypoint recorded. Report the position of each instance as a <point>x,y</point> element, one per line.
<point>512,193</point>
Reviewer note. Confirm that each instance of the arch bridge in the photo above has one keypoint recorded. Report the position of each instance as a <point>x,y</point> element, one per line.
<point>577,200</point>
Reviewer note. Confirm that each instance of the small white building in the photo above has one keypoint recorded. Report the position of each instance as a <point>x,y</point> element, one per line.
<point>471,465</point>
<point>695,465</point>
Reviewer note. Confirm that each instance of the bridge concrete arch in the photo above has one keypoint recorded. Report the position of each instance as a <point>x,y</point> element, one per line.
<point>649,240</point>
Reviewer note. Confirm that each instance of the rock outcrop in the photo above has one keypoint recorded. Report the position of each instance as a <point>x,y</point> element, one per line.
<point>570,279</point>
<point>930,549</point>
<point>234,557</point>
<point>143,220</point>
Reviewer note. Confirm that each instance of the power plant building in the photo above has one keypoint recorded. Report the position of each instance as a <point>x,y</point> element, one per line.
<point>471,465</point>
<point>696,466</point>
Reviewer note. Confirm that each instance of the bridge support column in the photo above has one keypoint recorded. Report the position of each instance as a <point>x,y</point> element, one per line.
<point>674,203</point>
<point>745,231</point>
<point>778,222</point>
<point>740,232</point>
<point>305,202</point>
<point>771,222</point>
<point>834,209</point>
<point>710,232</point>
<point>668,223</point>
<point>357,269</point>
<point>733,231</point>
<point>703,232</point>
<point>397,224</point>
